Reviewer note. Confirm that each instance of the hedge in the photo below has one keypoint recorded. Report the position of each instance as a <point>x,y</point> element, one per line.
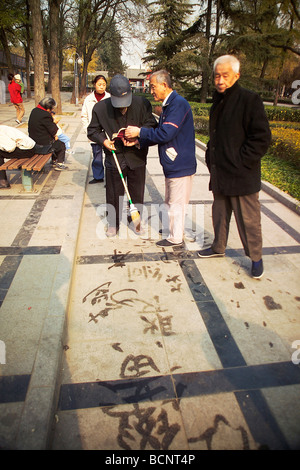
<point>285,124</point>
<point>282,174</point>
<point>274,113</point>
<point>286,145</point>
<point>201,124</point>
<point>280,113</point>
<point>200,109</point>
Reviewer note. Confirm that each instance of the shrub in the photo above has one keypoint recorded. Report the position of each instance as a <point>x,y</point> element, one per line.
<point>201,124</point>
<point>282,174</point>
<point>285,124</point>
<point>286,145</point>
<point>200,109</point>
<point>202,137</point>
<point>280,113</point>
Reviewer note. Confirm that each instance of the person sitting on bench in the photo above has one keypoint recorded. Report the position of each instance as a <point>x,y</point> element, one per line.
<point>42,129</point>
<point>16,144</point>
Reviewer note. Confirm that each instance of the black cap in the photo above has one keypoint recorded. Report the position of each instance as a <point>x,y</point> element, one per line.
<point>120,90</point>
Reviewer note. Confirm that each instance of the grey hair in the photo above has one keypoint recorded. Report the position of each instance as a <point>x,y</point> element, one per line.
<point>162,76</point>
<point>48,103</point>
<point>224,59</point>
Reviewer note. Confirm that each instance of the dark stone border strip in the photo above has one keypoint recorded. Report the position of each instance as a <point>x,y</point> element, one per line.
<point>29,250</point>
<point>260,420</point>
<point>115,392</point>
<point>283,225</point>
<point>8,270</point>
<point>13,388</point>
<point>233,379</point>
<point>176,255</point>
<point>75,396</point>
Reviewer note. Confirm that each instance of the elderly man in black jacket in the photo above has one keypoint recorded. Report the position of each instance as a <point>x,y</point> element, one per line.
<point>239,137</point>
<point>118,111</point>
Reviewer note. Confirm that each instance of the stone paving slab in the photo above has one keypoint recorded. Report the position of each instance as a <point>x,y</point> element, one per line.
<point>117,344</point>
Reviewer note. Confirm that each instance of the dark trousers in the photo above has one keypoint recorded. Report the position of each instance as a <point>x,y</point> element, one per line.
<point>17,153</point>
<point>247,214</point>
<point>97,163</point>
<point>59,151</point>
<point>115,191</point>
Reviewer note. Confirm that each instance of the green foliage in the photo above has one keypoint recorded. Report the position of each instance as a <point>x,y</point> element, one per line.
<point>280,113</point>
<point>201,124</point>
<point>110,52</point>
<point>286,145</point>
<point>202,137</point>
<point>285,124</point>
<point>282,174</point>
<point>169,19</point>
<point>12,14</point>
<point>200,109</point>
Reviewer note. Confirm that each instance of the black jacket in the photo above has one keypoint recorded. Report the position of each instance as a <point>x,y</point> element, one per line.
<point>41,126</point>
<point>239,137</point>
<point>107,120</point>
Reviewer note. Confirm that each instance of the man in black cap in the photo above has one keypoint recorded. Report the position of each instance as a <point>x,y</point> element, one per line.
<point>108,117</point>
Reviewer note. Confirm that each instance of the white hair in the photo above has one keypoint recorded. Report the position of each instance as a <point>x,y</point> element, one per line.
<point>224,59</point>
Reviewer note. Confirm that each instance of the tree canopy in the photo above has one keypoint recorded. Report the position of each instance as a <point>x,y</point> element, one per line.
<point>184,37</point>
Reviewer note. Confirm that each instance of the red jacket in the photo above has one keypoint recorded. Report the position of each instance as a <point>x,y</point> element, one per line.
<point>15,92</point>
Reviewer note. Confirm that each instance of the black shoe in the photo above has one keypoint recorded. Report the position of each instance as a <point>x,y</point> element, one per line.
<point>60,167</point>
<point>209,253</point>
<point>257,269</point>
<point>94,181</point>
<point>168,243</point>
<point>4,184</point>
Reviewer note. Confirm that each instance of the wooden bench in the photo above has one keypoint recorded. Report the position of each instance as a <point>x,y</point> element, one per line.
<point>28,166</point>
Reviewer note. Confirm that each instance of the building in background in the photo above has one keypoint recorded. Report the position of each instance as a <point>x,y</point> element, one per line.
<point>19,66</point>
<point>137,79</point>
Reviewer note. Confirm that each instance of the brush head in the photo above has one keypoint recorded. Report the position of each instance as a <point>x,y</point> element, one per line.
<point>135,217</point>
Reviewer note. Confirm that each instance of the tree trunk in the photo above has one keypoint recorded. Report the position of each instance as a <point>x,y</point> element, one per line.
<point>27,59</point>
<point>73,99</point>
<point>27,50</point>
<point>264,68</point>
<point>204,88</point>
<point>205,71</point>
<point>82,90</point>
<point>54,57</point>
<point>38,50</point>
<point>4,43</point>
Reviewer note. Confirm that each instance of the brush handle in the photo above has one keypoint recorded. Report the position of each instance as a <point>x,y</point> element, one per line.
<point>122,177</point>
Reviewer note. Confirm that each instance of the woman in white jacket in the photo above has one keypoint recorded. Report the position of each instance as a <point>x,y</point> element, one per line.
<point>98,94</point>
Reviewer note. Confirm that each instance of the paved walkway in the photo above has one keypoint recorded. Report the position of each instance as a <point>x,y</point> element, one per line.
<point>118,344</point>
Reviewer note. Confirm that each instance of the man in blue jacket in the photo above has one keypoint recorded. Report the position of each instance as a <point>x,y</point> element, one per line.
<point>175,136</point>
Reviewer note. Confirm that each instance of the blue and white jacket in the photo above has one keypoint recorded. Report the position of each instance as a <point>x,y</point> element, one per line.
<point>175,136</point>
